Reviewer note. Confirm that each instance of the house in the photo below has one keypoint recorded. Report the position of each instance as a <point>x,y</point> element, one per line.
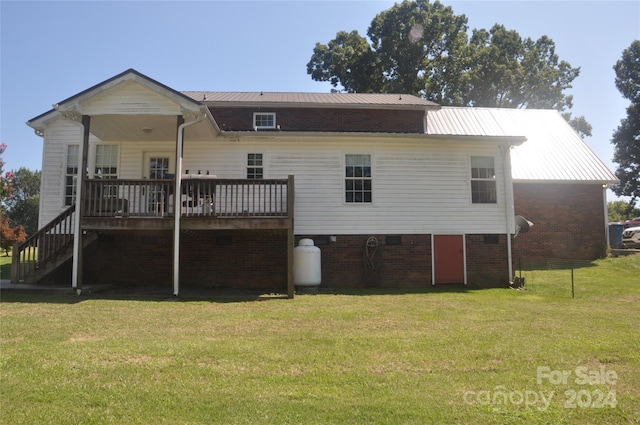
<point>186,189</point>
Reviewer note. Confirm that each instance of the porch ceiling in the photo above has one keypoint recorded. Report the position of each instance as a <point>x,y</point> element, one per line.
<point>110,128</point>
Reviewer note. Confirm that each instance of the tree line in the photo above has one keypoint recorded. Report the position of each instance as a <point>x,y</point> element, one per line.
<point>19,204</point>
<point>423,48</point>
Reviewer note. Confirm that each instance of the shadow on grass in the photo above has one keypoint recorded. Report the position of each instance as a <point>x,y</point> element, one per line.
<point>57,295</point>
<point>149,293</point>
<point>552,264</point>
<point>368,291</point>
<point>38,297</point>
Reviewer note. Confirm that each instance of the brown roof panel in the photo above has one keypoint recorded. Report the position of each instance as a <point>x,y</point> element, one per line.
<point>316,100</point>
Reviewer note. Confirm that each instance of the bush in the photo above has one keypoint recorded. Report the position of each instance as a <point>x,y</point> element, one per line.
<point>10,235</point>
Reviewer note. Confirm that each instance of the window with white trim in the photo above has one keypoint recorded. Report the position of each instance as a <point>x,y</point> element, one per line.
<point>71,174</point>
<point>106,165</point>
<point>358,179</point>
<point>254,166</point>
<point>483,180</point>
<point>264,120</point>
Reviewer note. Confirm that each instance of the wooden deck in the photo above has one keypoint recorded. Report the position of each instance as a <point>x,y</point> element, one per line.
<point>206,203</point>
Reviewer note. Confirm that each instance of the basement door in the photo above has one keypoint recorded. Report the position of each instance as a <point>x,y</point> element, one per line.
<point>448,259</point>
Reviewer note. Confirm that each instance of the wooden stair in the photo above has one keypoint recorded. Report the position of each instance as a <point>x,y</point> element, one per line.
<point>46,250</point>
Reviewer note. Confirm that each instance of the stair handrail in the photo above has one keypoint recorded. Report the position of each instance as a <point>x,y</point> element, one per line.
<point>42,245</point>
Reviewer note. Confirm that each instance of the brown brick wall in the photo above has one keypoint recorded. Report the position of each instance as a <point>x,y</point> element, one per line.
<point>252,259</point>
<point>258,259</point>
<point>487,261</point>
<point>405,265</point>
<point>409,264</point>
<point>324,120</point>
<point>568,219</point>
<point>211,259</point>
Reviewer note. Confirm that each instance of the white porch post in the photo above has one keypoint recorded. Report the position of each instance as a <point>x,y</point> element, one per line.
<point>76,274</point>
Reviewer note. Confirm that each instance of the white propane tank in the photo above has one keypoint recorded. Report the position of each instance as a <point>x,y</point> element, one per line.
<point>306,264</point>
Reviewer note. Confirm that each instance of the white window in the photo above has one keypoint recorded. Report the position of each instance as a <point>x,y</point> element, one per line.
<point>357,181</point>
<point>254,166</point>
<point>483,180</point>
<point>264,120</point>
<point>106,166</point>
<point>71,174</point>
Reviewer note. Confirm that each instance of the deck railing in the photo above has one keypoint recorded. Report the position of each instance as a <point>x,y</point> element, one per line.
<point>44,244</point>
<point>199,197</point>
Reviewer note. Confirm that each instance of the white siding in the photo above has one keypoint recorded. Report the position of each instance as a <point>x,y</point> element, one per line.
<point>419,185</point>
<point>132,156</point>
<point>56,139</point>
<point>130,98</point>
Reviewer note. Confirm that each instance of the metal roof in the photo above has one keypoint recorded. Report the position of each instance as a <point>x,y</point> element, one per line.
<point>553,150</point>
<point>324,100</point>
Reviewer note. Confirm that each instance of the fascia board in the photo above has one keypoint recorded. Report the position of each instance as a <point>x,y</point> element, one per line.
<point>271,134</point>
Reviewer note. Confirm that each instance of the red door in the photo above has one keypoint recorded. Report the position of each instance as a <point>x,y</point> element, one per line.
<point>448,254</point>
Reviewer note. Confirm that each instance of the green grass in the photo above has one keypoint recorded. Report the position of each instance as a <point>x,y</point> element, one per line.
<point>374,356</point>
<point>5,266</point>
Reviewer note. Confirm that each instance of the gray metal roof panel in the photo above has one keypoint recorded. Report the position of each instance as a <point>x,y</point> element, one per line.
<point>553,150</point>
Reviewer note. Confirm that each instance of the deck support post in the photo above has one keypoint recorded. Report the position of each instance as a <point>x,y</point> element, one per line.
<point>76,275</point>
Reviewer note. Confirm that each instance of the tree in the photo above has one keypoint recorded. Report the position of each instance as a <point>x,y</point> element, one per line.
<point>422,48</point>
<point>346,60</point>
<point>5,180</point>
<point>626,138</point>
<point>579,124</point>
<point>621,210</point>
<point>415,43</point>
<point>10,235</point>
<point>22,207</point>
<point>411,44</point>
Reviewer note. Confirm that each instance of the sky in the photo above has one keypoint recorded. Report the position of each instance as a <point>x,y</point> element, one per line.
<point>51,50</point>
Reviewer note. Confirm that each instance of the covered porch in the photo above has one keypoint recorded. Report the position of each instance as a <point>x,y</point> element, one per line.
<point>143,117</point>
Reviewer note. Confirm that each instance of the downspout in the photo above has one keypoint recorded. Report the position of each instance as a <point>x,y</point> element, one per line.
<point>77,259</point>
<point>508,195</point>
<point>177,203</point>
<point>425,122</point>
<point>606,218</point>
<point>77,236</point>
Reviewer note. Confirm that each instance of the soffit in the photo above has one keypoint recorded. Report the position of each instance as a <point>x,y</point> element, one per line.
<point>110,128</point>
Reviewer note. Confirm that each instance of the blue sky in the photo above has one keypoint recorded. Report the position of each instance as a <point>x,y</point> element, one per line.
<point>52,50</point>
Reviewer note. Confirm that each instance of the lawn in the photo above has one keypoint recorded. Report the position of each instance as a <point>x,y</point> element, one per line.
<point>5,265</point>
<point>439,356</point>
